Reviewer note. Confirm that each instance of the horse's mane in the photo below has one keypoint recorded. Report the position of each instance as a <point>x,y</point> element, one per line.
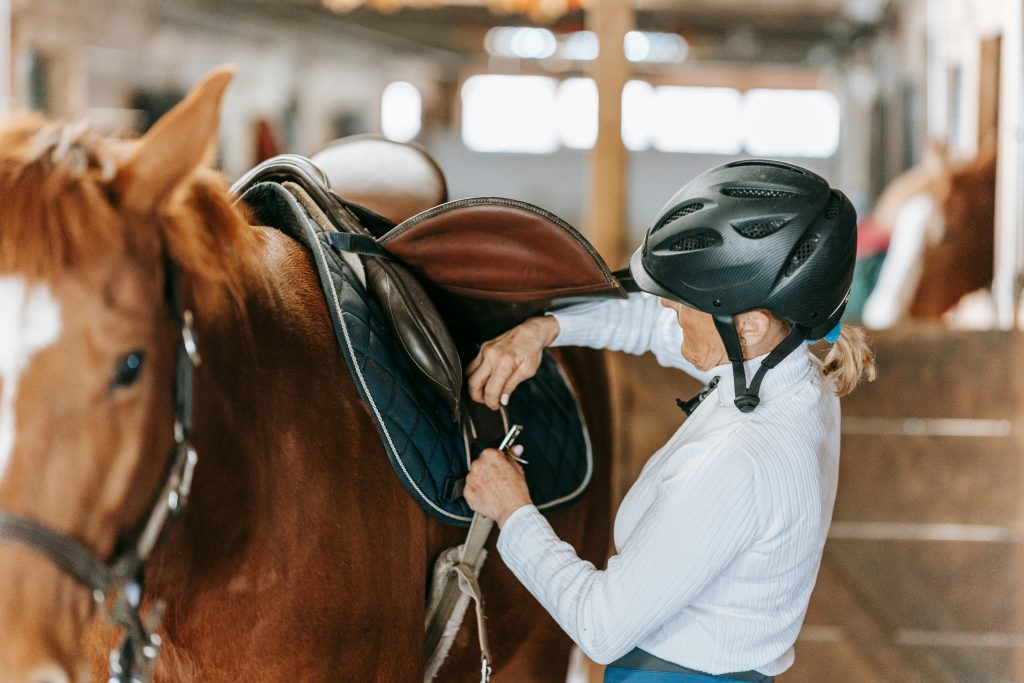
<point>60,209</point>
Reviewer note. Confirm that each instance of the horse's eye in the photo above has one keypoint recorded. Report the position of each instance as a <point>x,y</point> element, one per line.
<point>128,369</point>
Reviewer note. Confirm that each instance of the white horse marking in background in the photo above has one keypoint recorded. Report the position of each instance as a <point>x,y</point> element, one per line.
<point>918,224</point>
<point>29,322</point>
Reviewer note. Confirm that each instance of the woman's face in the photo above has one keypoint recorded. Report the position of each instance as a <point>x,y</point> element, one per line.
<point>701,344</point>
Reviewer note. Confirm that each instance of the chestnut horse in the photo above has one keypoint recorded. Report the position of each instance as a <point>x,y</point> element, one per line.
<point>300,556</point>
<point>942,217</point>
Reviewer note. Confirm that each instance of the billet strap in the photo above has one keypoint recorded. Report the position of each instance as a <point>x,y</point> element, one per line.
<point>476,539</point>
<point>465,571</point>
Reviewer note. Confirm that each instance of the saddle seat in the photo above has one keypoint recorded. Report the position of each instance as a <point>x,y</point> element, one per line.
<point>452,276</point>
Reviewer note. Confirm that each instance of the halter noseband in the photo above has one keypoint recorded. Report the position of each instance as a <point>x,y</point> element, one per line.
<point>117,586</point>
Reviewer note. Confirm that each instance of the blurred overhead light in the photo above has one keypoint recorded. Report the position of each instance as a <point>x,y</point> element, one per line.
<point>582,46</point>
<point>638,115</point>
<point>665,48</point>
<point>637,46</point>
<point>510,114</point>
<point>520,42</point>
<point>577,113</point>
<point>698,120</point>
<point>401,111</point>
<point>792,123</point>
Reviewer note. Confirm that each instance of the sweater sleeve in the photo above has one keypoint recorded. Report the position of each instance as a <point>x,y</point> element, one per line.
<point>699,522</point>
<point>636,325</point>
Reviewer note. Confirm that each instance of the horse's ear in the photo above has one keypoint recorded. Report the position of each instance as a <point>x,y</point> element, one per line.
<point>177,145</point>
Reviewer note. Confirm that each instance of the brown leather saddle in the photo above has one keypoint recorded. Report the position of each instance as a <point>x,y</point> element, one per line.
<point>454,275</point>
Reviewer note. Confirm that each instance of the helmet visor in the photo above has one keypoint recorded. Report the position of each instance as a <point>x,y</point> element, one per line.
<point>647,283</point>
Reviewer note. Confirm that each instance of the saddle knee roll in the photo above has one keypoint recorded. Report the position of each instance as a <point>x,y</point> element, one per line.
<point>419,328</point>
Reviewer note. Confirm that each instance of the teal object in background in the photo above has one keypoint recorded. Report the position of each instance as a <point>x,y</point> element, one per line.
<point>865,275</point>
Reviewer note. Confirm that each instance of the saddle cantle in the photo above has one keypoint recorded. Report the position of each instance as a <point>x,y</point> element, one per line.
<point>417,324</point>
<point>395,180</point>
<point>427,448</point>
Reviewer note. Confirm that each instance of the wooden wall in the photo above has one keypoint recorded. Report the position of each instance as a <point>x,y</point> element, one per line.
<point>922,571</point>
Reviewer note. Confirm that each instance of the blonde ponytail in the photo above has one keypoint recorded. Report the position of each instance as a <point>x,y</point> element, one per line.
<point>850,360</point>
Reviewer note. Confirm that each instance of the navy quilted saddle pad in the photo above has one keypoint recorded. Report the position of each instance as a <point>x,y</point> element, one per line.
<point>424,444</point>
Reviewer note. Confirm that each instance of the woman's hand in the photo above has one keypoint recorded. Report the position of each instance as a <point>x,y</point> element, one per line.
<point>506,361</point>
<point>496,485</point>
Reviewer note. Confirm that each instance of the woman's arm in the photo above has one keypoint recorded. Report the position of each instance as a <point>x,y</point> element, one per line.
<point>635,325</point>
<point>701,519</point>
<point>628,325</point>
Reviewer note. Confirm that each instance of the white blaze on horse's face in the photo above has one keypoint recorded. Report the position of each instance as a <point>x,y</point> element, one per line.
<point>29,322</point>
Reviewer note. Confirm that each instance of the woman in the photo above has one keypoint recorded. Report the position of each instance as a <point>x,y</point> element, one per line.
<point>719,540</point>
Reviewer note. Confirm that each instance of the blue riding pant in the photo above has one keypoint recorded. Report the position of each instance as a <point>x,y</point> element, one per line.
<point>642,667</point>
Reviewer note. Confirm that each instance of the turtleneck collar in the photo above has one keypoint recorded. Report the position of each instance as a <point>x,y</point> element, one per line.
<point>792,369</point>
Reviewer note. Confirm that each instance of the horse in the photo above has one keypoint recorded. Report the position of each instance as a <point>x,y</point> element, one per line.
<point>941,214</point>
<point>299,556</point>
<point>963,260</point>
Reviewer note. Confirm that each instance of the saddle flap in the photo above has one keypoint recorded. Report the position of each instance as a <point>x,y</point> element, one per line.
<point>500,250</point>
<point>492,262</point>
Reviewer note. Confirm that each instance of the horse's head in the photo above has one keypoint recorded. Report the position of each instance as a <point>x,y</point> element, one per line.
<point>88,338</point>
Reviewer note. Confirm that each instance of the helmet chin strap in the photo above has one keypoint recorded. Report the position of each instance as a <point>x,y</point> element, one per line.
<point>747,395</point>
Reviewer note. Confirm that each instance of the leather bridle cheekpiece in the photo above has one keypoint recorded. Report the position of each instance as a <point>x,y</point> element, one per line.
<point>117,586</point>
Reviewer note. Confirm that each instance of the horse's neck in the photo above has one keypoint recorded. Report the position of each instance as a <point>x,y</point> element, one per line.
<point>270,405</point>
<point>292,494</point>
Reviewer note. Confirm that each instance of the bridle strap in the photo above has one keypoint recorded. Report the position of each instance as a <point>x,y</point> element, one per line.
<point>186,355</point>
<point>72,557</point>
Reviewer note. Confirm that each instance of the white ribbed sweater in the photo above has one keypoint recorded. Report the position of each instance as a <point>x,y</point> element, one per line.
<point>719,540</point>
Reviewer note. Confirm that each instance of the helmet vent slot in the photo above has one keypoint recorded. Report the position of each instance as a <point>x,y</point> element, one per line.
<point>765,162</point>
<point>802,253</point>
<point>679,213</point>
<point>835,205</point>
<point>761,227</point>
<point>696,242</point>
<point>758,193</point>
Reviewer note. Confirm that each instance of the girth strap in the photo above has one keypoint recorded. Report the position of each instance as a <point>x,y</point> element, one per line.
<point>455,583</point>
<point>445,606</point>
<point>467,572</point>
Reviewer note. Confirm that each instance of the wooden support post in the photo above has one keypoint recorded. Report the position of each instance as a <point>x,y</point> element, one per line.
<point>610,20</point>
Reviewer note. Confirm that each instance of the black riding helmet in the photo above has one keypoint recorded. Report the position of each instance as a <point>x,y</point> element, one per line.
<point>754,234</point>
